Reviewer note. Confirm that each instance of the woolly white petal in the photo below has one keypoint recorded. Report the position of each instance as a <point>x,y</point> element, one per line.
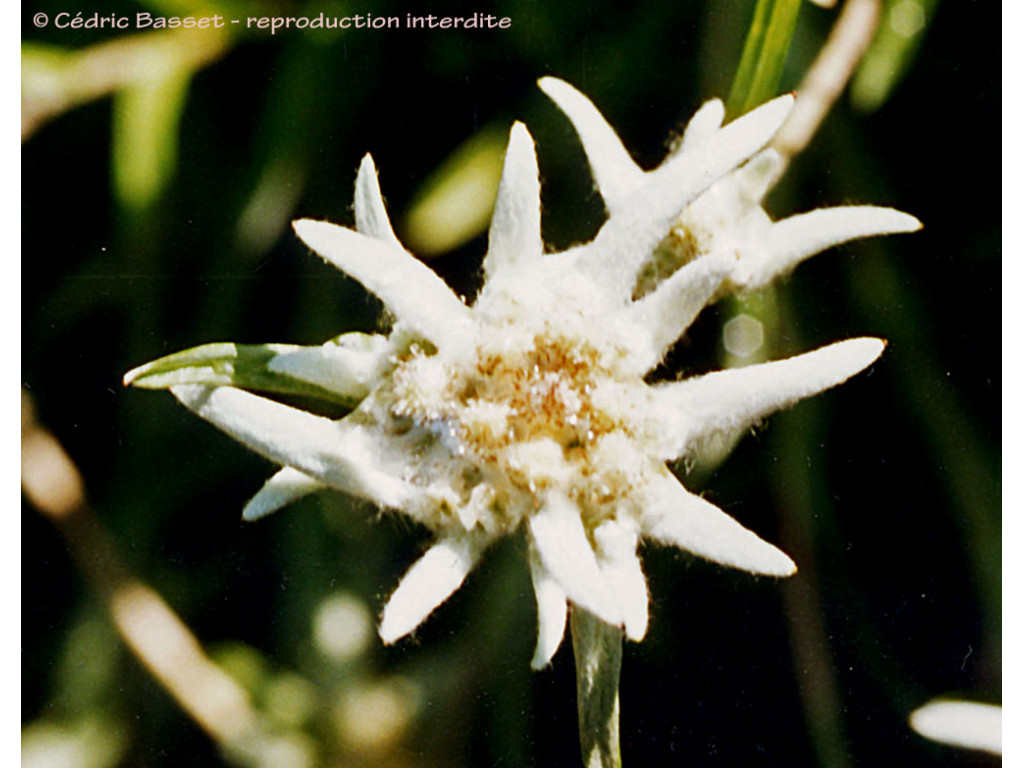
<point>409,288</point>
<point>726,401</point>
<point>629,236</point>
<point>672,515</point>
<point>339,454</point>
<point>668,311</point>
<point>759,174</point>
<point>551,614</point>
<point>792,240</point>
<point>426,585</point>
<point>347,365</point>
<point>286,486</point>
<point>961,724</point>
<point>704,124</point>
<point>514,236</point>
<point>371,216</point>
<point>619,563</point>
<point>561,542</point>
<point>614,171</point>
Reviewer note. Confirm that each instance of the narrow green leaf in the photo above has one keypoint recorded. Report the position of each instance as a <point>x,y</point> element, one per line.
<point>146,120</point>
<point>246,366</point>
<point>764,55</point>
<point>598,651</point>
<point>455,204</point>
<point>903,27</point>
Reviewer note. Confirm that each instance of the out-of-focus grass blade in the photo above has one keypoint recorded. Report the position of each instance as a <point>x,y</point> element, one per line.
<point>145,146</point>
<point>455,203</point>
<point>45,90</point>
<point>246,366</point>
<point>764,55</point>
<point>56,79</point>
<point>903,26</point>
<point>97,741</point>
<point>271,204</point>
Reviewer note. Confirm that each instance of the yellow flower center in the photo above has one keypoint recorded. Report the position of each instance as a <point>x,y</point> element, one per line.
<point>544,413</point>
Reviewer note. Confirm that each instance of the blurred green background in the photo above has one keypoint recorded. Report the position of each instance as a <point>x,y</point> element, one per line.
<point>159,175</point>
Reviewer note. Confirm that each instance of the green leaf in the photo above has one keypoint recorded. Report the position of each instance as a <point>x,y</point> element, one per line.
<point>764,55</point>
<point>246,366</point>
<point>598,651</point>
<point>455,204</point>
<point>145,150</point>
<point>903,26</point>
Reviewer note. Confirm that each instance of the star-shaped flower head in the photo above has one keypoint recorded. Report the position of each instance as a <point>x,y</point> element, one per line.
<point>529,409</point>
<point>728,218</point>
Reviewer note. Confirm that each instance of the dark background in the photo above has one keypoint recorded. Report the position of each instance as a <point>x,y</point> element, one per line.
<point>886,491</point>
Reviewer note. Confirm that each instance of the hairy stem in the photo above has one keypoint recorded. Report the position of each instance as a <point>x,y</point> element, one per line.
<point>598,651</point>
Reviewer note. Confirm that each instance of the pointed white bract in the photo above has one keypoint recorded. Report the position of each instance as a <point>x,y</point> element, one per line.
<point>428,583</point>
<point>672,306</point>
<point>966,724</point>
<point>530,410</point>
<point>371,216</point>
<point>409,289</point>
<point>616,175</point>
<point>551,613</point>
<point>340,455</point>
<point>704,124</point>
<point>515,227</point>
<point>615,542</point>
<point>674,516</point>
<point>286,486</point>
<point>560,539</point>
<point>726,401</point>
<point>790,241</point>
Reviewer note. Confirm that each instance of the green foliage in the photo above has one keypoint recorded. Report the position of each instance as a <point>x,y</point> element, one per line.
<point>901,32</point>
<point>246,366</point>
<point>764,55</point>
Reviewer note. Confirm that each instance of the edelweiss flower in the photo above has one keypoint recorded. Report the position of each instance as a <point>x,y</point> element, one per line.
<point>728,218</point>
<point>530,409</point>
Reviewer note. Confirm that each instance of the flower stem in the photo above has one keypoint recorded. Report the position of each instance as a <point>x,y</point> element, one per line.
<point>598,651</point>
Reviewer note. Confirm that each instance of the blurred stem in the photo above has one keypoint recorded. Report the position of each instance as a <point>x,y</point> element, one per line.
<point>970,476</point>
<point>794,489</point>
<point>801,500</point>
<point>828,75</point>
<point>147,115</point>
<point>794,434</point>
<point>598,651</point>
<point>798,498</point>
<point>148,626</point>
<point>764,55</point>
<point>885,292</point>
